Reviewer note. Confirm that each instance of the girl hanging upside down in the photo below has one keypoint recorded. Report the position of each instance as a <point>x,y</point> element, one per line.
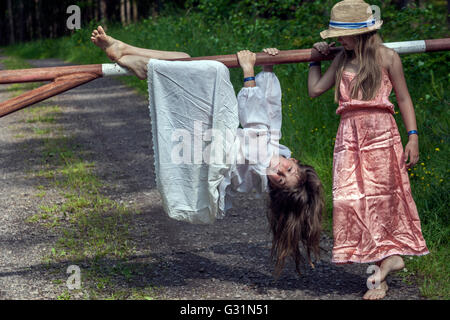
<point>295,191</point>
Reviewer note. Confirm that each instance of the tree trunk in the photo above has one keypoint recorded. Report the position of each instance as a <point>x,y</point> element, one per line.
<point>12,39</point>
<point>96,11</point>
<point>128,8</point>
<point>154,9</point>
<point>103,10</point>
<point>122,13</point>
<point>135,10</point>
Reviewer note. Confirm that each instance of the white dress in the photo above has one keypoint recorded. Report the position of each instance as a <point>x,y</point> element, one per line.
<point>195,118</point>
<point>260,117</point>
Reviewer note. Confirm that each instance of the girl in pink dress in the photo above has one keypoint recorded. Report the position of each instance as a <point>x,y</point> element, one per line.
<point>375,218</point>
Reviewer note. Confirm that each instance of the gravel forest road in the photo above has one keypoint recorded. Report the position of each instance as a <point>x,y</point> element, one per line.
<point>226,260</point>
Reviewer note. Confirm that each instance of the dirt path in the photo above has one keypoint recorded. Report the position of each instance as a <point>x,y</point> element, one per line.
<point>227,260</point>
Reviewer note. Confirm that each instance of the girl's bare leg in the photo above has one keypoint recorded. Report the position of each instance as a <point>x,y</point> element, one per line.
<point>116,49</point>
<point>137,64</point>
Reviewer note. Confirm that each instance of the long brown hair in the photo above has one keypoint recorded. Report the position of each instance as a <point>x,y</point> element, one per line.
<point>368,78</point>
<point>295,215</point>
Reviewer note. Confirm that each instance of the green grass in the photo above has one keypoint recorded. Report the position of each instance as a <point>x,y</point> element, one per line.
<point>93,227</point>
<point>310,125</point>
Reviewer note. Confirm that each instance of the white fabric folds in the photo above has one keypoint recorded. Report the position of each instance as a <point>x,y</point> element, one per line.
<point>194,116</point>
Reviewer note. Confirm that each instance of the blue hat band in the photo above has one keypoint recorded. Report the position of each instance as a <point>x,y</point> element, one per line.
<point>352,25</point>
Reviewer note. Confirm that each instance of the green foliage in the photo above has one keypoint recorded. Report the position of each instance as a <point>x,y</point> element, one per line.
<point>282,9</point>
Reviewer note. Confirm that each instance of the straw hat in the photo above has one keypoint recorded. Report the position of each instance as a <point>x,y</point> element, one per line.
<point>351,17</point>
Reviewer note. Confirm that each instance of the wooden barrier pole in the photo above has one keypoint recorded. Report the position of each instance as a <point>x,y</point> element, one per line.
<point>60,85</point>
<point>307,55</point>
<point>283,57</point>
<point>47,74</point>
<point>69,77</point>
<point>230,60</point>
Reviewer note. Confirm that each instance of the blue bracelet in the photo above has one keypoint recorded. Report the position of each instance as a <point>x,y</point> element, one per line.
<point>249,79</point>
<point>412,132</point>
<point>315,63</point>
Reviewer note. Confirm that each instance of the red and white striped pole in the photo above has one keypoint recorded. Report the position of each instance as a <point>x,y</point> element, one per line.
<point>66,78</point>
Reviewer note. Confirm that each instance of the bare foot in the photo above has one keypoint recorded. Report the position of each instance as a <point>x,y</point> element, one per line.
<point>112,47</point>
<point>137,64</point>
<point>378,293</point>
<point>390,264</point>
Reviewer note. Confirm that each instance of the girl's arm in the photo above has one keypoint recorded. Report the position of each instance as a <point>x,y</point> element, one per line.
<point>247,61</point>
<point>318,84</point>
<point>251,102</point>
<point>406,108</point>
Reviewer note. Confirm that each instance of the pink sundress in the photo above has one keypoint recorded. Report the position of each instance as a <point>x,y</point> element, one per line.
<point>374,214</point>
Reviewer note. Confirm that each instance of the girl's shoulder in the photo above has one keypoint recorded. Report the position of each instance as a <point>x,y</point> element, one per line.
<point>387,56</point>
